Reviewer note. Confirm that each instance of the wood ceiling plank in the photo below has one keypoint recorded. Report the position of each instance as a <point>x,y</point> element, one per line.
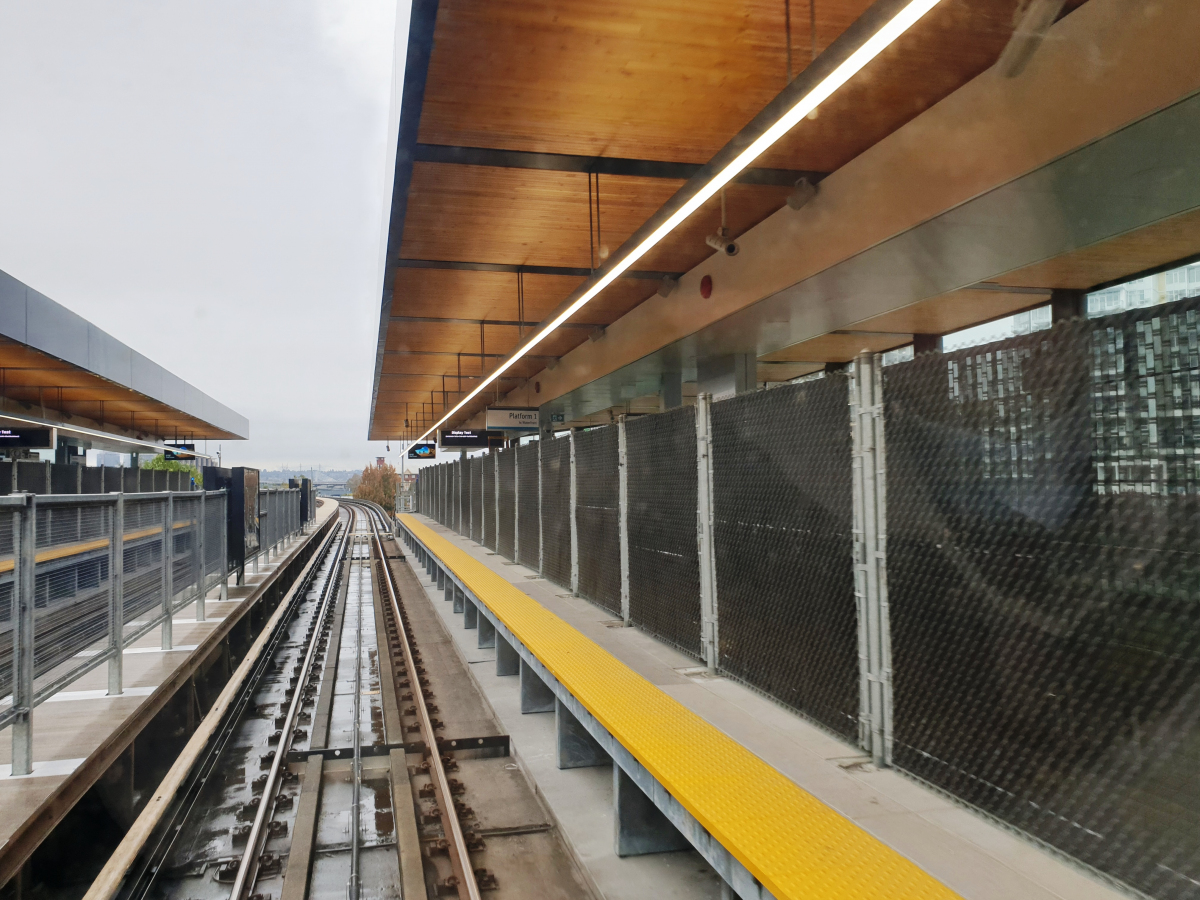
<point>1120,257</point>
<point>950,312</point>
<point>835,347</point>
<point>671,80</point>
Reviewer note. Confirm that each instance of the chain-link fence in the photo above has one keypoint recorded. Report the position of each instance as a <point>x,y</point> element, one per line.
<point>489,502</point>
<point>1043,571</point>
<point>664,568</point>
<point>506,460</point>
<point>529,538</point>
<point>476,478</point>
<point>556,510</point>
<point>783,547</point>
<point>1001,599</point>
<point>598,517</point>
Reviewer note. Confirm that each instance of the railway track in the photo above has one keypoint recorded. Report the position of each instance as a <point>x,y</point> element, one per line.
<point>359,760</point>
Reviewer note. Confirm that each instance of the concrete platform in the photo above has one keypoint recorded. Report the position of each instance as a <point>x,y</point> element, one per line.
<point>969,853</point>
<point>75,726</point>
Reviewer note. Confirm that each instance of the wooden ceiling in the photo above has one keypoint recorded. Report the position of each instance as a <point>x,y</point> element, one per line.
<point>37,384</point>
<point>630,87</point>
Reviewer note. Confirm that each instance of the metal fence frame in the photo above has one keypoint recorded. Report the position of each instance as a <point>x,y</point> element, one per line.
<point>174,548</point>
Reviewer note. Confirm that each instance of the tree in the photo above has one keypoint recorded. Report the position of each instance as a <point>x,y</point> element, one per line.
<point>162,464</point>
<point>378,484</point>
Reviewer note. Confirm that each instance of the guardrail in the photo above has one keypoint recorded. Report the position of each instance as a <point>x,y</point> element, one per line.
<point>82,577</point>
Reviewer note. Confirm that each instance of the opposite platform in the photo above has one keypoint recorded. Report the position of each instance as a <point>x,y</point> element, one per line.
<point>80,733</point>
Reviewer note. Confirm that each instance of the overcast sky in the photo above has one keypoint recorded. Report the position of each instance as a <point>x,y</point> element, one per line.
<point>207,181</point>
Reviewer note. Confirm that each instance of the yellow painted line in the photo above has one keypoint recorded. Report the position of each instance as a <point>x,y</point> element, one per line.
<point>7,565</point>
<point>788,839</point>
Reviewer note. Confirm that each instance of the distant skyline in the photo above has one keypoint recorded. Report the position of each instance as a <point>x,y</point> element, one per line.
<point>209,184</point>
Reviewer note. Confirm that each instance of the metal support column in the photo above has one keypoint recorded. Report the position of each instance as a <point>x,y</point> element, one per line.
<point>541,537</point>
<point>224,538</point>
<point>623,514</point>
<point>24,538</point>
<point>870,559</point>
<point>168,580</point>
<point>198,544</point>
<point>116,598</point>
<point>516,504</point>
<point>574,527</point>
<point>704,527</point>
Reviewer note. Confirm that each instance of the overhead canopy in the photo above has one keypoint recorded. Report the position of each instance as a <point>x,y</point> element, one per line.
<point>534,140</point>
<point>57,367</point>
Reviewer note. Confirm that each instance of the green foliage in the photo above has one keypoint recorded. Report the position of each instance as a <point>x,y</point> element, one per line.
<point>162,464</point>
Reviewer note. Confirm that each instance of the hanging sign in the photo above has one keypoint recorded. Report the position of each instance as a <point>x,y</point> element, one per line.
<point>512,419</point>
<point>422,451</point>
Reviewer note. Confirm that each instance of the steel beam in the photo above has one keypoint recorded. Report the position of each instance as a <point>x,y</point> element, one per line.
<point>602,165</point>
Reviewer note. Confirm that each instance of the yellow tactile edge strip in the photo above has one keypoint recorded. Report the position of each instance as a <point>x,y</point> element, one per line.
<point>791,842</point>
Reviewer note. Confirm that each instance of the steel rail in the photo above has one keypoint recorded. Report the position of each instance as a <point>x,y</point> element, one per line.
<point>460,860</point>
<point>247,872</point>
<point>179,792</point>
<point>354,884</point>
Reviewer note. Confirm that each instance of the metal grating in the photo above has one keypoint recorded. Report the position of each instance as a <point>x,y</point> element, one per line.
<point>508,503</point>
<point>664,570</point>
<point>1044,564</point>
<point>489,500</point>
<point>528,547</point>
<point>787,618</point>
<point>461,497</point>
<point>597,516</point>
<point>71,586</point>
<point>7,588</point>
<point>556,510</point>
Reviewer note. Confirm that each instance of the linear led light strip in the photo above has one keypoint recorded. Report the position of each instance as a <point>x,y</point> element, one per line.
<point>873,46</point>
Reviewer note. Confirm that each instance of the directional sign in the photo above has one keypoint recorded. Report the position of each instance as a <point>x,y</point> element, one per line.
<point>512,419</point>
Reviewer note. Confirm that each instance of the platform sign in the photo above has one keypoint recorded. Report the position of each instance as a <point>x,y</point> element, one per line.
<point>462,439</point>
<point>422,451</point>
<point>179,451</point>
<point>512,419</point>
<point>27,438</point>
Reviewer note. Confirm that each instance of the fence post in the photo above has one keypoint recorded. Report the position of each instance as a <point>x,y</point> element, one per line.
<point>516,504</point>
<point>870,558</point>
<point>574,527</point>
<point>202,550</point>
<point>704,532</point>
<point>116,599</point>
<point>24,583</point>
<point>224,544</point>
<point>168,559</point>
<point>623,513</point>
<point>541,539</point>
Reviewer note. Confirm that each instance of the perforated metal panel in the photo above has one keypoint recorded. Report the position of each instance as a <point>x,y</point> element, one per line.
<point>556,510</point>
<point>596,516</point>
<point>664,571</point>
<point>508,503</point>
<point>1043,571</point>
<point>527,505</point>
<point>489,501</point>
<point>476,470</point>
<point>784,549</point>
